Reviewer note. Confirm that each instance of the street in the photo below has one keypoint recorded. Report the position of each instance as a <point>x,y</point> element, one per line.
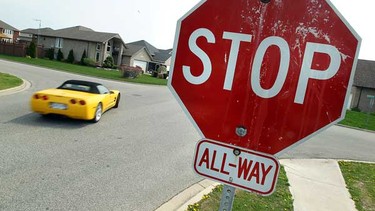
<point>136,158</point>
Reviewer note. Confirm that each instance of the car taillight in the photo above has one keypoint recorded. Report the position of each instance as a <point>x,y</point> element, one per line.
<point>73,101</point>
<point>36,96</point>
<point>82,102</point>
<point>45,97</point>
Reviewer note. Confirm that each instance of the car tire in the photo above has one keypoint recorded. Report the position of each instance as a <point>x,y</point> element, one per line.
<point>98,113</point>
<point>117,101</point>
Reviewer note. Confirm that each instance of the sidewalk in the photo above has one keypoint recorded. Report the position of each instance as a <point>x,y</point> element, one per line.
<point>315,184</point>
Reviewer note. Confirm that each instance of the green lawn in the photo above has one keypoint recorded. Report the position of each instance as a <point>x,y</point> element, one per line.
<point>281,199</point>
<point>9,81</point>
<point>84,70</point>
<point>360,120</point>
<point>360,180</point>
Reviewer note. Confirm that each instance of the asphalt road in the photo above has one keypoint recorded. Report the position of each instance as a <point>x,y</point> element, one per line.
<point>136,158</point>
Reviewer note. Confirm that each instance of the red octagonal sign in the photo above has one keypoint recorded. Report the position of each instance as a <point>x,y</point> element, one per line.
<point>280,72</point>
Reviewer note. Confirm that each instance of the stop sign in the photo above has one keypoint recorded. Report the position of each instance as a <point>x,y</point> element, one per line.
<point>263,76</point>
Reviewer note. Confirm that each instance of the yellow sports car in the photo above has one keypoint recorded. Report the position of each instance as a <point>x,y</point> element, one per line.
<point>76,99</point>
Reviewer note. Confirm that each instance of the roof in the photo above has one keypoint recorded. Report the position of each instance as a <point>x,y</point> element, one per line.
<point>365,74</point>
<point>157,55</point>
<point>132,49</point>
<point>75,33</point>
<point>4,25</point>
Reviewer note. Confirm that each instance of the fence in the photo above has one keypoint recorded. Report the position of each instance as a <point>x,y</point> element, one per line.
<point>18,49</point>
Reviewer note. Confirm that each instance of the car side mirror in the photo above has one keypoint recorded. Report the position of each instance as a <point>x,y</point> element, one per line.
<point>111,92</point>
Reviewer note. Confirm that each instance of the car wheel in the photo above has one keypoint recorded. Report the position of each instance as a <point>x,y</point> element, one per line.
<point>117,101</point>
<point>98,113</point>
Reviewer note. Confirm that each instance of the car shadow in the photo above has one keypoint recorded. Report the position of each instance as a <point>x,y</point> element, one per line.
<point>52,121</point>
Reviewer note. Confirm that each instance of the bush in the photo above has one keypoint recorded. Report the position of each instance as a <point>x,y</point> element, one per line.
<point>108,62</point>
<point>89,62</point>
<point>130,72</point>
<point>51,54</point>
<point>162,72</point>
<point>83,57</point>
<point>31,50</point>
<point>60,55</point>
<point>70,57</point>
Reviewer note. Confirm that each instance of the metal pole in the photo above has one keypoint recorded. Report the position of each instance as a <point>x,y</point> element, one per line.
<point>227,198</point>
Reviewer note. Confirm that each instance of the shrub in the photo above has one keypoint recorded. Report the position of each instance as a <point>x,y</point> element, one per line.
<point>51,54</point>
<point>108,62</point>
<point>83,57</point>
<point>162,72</point>
<point>89,62</point>
<point>130,72</point>
<point>60,55</point>
<point>31,50</point>
<point>70,56</point>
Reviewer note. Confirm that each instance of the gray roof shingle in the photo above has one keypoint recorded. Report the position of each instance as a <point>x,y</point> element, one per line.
<point>7,26</point>
<point>365,74</point>
<point>76,33</point>
<point>157,55</point>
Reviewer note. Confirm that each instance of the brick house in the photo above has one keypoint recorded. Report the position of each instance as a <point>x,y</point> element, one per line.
<point>98,45</point>
<point>8,33</point>
<point>363,86</point>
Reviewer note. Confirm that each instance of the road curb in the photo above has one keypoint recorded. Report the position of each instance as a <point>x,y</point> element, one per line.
<point>355,128</point>
<point>190,195</point>
<point>24,86</point>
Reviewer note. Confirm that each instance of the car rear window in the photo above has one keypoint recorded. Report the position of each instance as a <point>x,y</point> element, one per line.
<point>76,87</point>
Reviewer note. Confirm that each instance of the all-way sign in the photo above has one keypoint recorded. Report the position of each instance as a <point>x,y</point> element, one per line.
<point>238,167</point>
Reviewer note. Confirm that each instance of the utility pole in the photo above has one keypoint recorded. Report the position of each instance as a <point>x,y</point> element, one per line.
<point>37,42</point>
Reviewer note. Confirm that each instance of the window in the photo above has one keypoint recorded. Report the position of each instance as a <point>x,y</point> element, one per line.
<point>109,46</point>
<point>102,89</point>
<point>97,46</point>
<point>97,57</point>
<point>59,43</point>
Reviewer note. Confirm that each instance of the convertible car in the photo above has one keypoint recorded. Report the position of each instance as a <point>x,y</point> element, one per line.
<point>76,99</point>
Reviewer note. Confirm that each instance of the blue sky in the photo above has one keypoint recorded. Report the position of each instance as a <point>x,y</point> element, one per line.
<point>151,20</point>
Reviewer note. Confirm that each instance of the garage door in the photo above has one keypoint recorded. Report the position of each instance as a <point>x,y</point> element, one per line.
<point>141,64</point>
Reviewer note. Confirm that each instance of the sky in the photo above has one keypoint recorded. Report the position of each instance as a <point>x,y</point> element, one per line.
<point>151,20</point>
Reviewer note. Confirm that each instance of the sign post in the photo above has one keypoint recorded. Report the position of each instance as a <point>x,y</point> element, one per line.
<point>260,76</point>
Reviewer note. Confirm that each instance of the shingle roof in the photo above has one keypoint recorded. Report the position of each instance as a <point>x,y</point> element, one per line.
<point>7,26</point>
<point>365,74</point>
<point>132,49</point>
<point>76,33</point>
<point>157,55</point>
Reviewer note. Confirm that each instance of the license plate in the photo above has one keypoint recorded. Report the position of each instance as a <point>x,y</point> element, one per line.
<point>59,106</point>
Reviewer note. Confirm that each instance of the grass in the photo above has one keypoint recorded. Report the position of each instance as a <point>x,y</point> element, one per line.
<point>281,199</point>
<point>84,70</point>
<point>9,81</point>
<point>359,120</point>
<point>360,180</point>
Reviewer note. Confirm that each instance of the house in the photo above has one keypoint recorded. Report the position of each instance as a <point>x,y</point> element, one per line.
<point>363,88</point>
<point>98,45</point>
<point>8,33</point>
<point>149,58</point>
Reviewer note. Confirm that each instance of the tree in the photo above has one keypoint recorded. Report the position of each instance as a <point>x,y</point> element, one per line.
<point>31,50</point>
<point>60,55</point>
<point>51,53</point>
<point>70,56</point>
<point>83,57</point>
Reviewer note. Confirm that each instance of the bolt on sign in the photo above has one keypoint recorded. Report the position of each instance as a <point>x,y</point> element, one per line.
<point>263,75</point>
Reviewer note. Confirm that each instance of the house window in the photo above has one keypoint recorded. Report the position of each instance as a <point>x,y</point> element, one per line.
<point>109,46</point>
<point>97,46</point>
<point>59,43</point>
<point>97,57</point>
